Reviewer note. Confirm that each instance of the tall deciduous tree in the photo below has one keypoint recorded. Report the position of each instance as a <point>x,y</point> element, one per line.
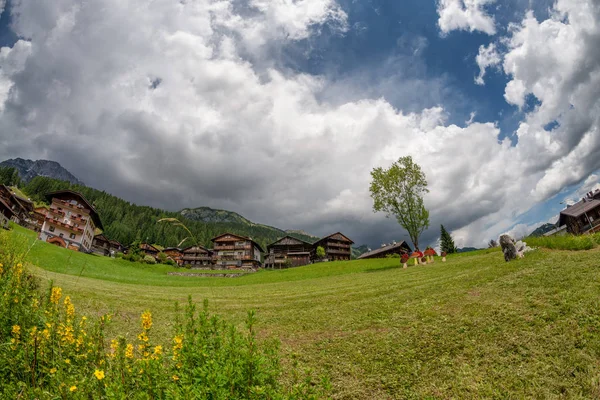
<point>447,243</point>
<point>398,191</point>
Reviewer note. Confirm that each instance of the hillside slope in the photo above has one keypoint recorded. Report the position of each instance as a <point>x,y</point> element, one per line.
<point>127,222</point>
<point>29,169</point>
<point>473,327</point>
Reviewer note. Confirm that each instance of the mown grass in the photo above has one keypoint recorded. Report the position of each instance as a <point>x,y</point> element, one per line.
<point>473,327</point>
<point>566,242</point>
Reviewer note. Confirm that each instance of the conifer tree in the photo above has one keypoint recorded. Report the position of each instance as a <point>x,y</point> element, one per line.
<point>447,244</point>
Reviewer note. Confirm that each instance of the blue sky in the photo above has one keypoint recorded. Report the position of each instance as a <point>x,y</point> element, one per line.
<point>279,110</point>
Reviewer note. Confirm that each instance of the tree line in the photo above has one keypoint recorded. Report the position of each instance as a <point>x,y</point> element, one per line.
<point>127,222</point>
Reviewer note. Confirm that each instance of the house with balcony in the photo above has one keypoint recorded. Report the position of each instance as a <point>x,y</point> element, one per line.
<point>583,216</point>
<point>288,252</point>
<point>21,207</point>
<point>147,249</point>
<point>337,246</point>
<point>387,249</point>
<point>103,246</point>
<point>232,251</point>
<point>6,214</point>
<point>70,221</point>
<point>196,257</point>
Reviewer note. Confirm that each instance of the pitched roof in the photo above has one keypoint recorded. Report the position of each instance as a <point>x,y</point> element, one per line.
<point>290,239</point>
<point>93,213</point>
<point>392,247</point>
<point>580,208</point>
<point>334,234</point>
<point>6,206</point>
<point>238,236</point>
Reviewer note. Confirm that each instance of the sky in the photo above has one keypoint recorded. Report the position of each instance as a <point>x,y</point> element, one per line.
<point>280,109</point>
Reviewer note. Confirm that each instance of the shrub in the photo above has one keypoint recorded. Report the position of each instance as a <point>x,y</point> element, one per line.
<point>119,255</point>
<point>148,259</point>
<point>49,351</point>
<point>171,262</point>
<point>393,255</point>
<point>162,258</point>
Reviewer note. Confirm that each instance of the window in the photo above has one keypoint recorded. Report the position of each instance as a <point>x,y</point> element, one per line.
<point>62,235</point>
<point>51,229</point>
<point>72,236</point>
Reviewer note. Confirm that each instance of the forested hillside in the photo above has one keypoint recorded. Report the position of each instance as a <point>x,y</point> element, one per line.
<point>127,222</point>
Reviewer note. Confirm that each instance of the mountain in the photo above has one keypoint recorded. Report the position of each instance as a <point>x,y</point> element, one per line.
<point>466,249</point>
<point>127,222</point>
<point>540,230</point>
<point>214,216</point>
<point>29,169</point>
<point>357,251</point>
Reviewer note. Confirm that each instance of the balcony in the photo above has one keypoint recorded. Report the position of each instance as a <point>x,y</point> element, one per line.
<point>196,258</point>
<point>52,221</point>
<point>337,251</point>
<point>233,258</point>
<point>339,245</point>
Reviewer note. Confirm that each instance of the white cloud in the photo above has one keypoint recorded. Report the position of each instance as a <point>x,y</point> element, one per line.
<point>487,57</point>
<point>163,104</point>
<point>466,15</point>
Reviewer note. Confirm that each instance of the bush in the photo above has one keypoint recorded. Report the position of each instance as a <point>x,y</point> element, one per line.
<point>49,352</point>
<point>566,242</point>
<point>394,255</point>
<point>171,262</point>
<point>162,258</point>
<point>119,255</point>
<point>132,257</point>
<point>148,259</point>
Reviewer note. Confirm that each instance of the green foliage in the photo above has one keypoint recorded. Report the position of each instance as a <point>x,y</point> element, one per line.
<point>393,255</point>
<point>566,242</point>
<point>447,243</point>
<point>148,259</point>
<point>49,351</point>
<point>119,255</point>
<point>162,258</point>
<point>127,222</point>
<point>399,191</point>
<point>320,252</point>
<point>9,176</point>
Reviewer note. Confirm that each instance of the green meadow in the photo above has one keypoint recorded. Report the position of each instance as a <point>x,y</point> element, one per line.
<point>472,327</point>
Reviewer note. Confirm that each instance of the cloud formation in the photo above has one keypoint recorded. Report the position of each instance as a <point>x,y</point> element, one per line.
<point>465,15</point>
<point>182,104</point>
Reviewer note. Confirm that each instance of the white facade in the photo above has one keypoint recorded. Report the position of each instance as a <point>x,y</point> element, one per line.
<point>71,222</point>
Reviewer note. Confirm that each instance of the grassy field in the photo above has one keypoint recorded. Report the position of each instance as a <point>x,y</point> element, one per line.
<point>473,327</point>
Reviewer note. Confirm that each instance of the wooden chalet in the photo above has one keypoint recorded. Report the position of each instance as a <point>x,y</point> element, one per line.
<point>196,257</point>
<point>387,249</point>
<point>337,247</point>
<point>148,250</point>
<point>232,251</point>
<point>104,246</point>
<point>6,214</point>
<point>22,208</point>
<point>38,217</point>
<point>288,252</point>
<point>70,221</point>
<point>582,217</point>
<point>175,254</point>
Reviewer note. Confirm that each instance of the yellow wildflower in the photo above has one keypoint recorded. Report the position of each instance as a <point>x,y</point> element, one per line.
<point>143,337</point>
<point>157,352</point>
<point>99,374</point>
<point>146,320</point>
<point>52,370</point>
<point>175,378</point>
<point>73,388</point>
<point>69,308</point>
<point>114,346</point>
<point>16,330</point>
<point>55,295</point>
<point>129,351</point>
<point>67,361</point>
